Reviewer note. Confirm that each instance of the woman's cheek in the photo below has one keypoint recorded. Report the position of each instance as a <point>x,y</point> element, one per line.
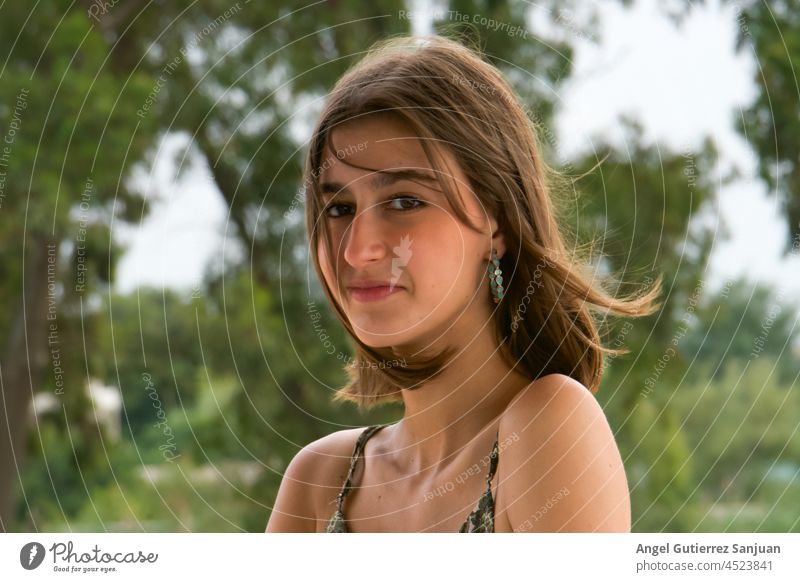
<point>327,271</point>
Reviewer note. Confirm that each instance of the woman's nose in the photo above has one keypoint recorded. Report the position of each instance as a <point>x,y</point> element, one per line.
<point>365,238</point>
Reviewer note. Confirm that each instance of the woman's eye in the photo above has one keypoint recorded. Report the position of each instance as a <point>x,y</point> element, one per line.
<point>400,203</point>
<point>335,210</point>
<point>405,202</point>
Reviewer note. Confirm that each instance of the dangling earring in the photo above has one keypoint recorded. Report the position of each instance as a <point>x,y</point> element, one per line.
<point>496,278</point>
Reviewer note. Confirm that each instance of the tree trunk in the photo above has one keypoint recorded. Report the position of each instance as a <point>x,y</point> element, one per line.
<point>24,360</point>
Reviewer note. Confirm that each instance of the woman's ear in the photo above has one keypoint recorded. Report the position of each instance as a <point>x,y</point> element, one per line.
<point>498,241</point>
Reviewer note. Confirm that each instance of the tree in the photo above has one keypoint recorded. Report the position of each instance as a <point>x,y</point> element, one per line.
<point>744,321</point>
<point>741,431</point>
<point>771,31</point>
<point>644,209</point>
<point>86,89</point>
<point>69,141</point>
<point>241,81</point>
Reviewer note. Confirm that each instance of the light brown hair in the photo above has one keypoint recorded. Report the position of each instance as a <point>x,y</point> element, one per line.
<point>449,95</point>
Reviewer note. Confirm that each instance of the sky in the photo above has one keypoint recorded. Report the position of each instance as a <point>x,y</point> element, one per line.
<point>682,84</point>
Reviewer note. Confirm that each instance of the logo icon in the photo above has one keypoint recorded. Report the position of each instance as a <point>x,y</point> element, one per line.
<point>31,555</point>
<point>402,256</point>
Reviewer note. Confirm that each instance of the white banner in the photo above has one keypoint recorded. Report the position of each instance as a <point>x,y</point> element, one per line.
<point>401,557</point>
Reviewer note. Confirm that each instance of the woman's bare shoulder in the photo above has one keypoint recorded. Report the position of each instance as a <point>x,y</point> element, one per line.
<point>324,462</point>
<point>311,482</point>
<point>561,468</point>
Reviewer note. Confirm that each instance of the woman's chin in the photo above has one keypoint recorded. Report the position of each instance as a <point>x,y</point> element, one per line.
<point>379,339</point>
<point>380,331</point>
<point>390,332</point>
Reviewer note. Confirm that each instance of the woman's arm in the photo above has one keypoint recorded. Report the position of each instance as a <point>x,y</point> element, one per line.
<point>294,509</point>
<point>561,470</point>
<point>307,495</point>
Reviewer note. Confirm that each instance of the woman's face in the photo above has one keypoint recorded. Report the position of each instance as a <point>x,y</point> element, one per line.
<point>404,268</point>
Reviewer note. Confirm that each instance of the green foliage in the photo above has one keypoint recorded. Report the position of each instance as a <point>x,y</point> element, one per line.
<point>66,467</point>
<point>743,434</point>
<point>242,371</point>
<point>745,321</point>
<point>771,31</point>
<point>154,333</point>
<point>737,452</point>
<point>76,124</point>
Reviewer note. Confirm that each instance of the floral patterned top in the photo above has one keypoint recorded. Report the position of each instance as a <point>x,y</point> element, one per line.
<point>480,520</point>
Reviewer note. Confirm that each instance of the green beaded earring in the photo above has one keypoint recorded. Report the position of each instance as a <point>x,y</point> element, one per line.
<point>496,278</point>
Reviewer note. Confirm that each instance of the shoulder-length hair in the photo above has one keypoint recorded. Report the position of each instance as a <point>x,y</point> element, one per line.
<point>449,95</point>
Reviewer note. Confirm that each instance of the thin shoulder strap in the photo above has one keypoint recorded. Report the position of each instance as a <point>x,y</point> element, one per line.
<point>358,450</point>
<point>493,460</point>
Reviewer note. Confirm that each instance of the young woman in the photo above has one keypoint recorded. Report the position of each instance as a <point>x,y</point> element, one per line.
<point>435,235</point>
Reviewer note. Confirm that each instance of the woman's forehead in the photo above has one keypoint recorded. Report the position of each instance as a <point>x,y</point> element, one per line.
<point>380,142</point>
<point>376,142</point>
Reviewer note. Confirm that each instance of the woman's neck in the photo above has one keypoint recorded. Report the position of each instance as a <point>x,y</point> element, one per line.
<point>462,403</point>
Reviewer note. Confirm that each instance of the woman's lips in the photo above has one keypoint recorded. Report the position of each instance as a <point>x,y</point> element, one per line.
<point>369,294</point>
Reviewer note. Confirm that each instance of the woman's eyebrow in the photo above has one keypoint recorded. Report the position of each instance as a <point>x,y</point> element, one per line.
<point>384,178</point>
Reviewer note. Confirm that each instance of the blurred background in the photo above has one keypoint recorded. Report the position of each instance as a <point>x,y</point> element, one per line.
<point>158,363</point>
